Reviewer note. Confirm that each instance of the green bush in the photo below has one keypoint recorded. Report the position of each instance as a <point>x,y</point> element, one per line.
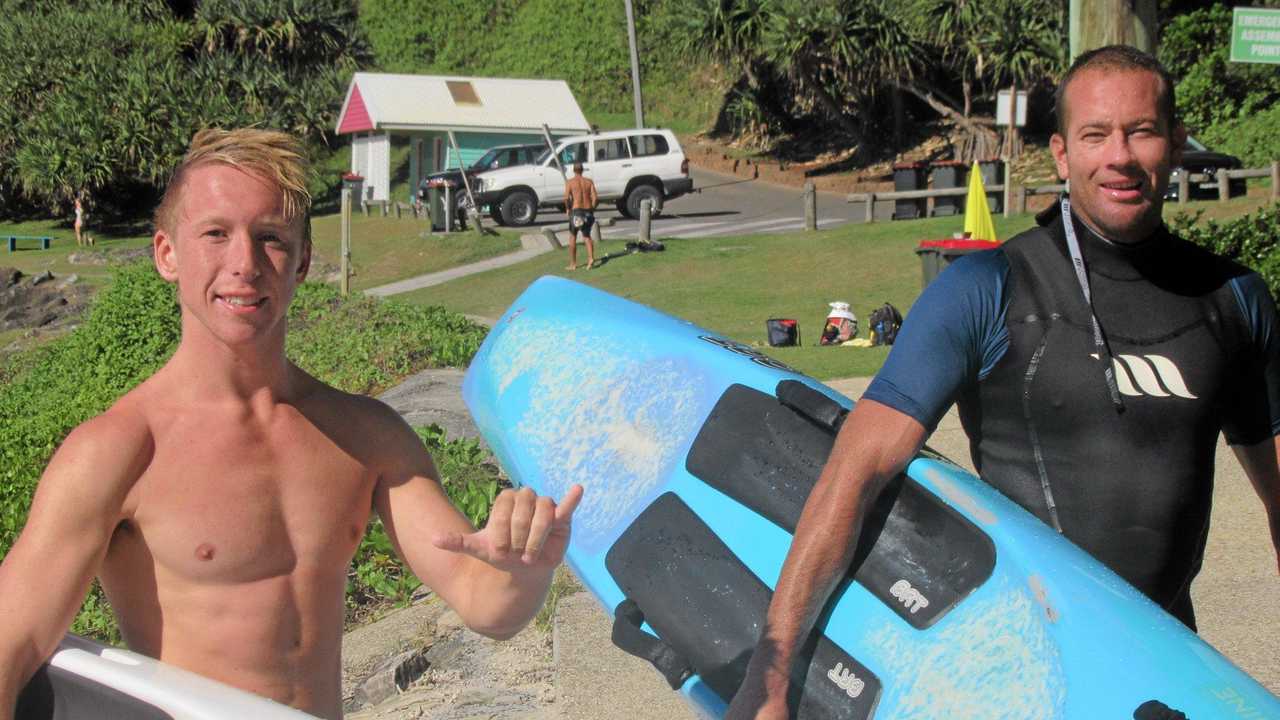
<point>358,345</point>
<point>470,482</point>
<point>1212,90</point>
<point>1255,138</point>
<point>1252,240</point>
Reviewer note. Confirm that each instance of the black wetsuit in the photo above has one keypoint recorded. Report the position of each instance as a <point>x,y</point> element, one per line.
<point>1008,335</point>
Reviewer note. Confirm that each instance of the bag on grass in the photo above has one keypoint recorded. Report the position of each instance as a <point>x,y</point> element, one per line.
<point>884,323</point>
<point>782,332</point>
<point>842,325</point>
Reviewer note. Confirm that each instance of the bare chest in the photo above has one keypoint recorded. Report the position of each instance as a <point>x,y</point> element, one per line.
<point>242,503</point>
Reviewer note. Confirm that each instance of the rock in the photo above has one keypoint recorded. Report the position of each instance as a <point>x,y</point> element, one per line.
<point>390,677</point>
<point>433,397</point>
<point>43,277</point>
<point>68,280</point>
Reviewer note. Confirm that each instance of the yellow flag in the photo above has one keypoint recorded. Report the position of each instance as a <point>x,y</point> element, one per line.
<point>977,214</point>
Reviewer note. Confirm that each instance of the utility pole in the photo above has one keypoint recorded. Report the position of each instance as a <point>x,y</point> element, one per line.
<point>635,65</point>
<point>1094,23</point>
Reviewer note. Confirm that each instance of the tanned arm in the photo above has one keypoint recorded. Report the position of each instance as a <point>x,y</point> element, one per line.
<point>76,508</point>
<point>495,579</point>
<point>874,445</point>
<point>1260,463</point>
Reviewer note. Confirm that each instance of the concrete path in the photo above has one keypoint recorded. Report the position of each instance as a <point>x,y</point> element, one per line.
<point>444,276</point>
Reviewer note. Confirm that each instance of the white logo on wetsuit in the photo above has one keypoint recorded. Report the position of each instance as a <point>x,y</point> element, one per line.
<point>908,596</point>
<point>1153,375</point>
<point>846,680</point>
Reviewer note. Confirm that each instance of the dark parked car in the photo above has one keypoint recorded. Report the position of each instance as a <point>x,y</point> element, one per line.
<point>1196,158</point>
<point>498,157</point>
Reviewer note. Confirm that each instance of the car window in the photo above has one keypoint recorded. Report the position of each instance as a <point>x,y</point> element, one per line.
<point>513,158</point>
<point>486,161</point>
<point>577,152</point>
<point>642,145</point>
<point>530,154</point>
<point>615,149</point>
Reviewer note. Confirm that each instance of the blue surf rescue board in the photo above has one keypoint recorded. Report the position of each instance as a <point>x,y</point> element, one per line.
<point>86,680</point>
<point>697,453</point>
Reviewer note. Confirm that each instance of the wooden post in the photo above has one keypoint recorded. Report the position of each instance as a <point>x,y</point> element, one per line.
<point>448,209</point>
<point>646,216</point>
<point>1224,188</point>
<point>810,206</point>
<point>871,205</point>
<point>1008,189</point>
<point>344,252</point>
<point>1020,199</point>
<point>397,209</point>
<point>596,237</point>
<point>1275,181</point>
<point>1184,186</point>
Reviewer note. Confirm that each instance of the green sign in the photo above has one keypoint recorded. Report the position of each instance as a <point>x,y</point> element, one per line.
<point>1255,35</point>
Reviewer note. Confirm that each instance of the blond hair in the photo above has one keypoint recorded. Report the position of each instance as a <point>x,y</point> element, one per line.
<point>275,157</point>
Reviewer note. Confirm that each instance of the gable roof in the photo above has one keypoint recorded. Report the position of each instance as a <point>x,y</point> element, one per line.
<point>384,101</point>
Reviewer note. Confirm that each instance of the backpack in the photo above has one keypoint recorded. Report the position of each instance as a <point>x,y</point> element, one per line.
<point>884,323</point>
<point>783,332</point>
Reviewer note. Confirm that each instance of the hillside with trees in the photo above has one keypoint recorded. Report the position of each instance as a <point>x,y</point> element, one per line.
<point>101,96</point>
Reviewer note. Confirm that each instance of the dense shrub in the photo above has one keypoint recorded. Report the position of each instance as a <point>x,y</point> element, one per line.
<point>1211,89</point>
<point>1255,138</point>
<point>1252,240</point>
<point>103,96</point>
<point>359,345</point>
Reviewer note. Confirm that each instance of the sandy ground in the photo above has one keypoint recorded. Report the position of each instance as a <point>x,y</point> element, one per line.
<point>573,672</point>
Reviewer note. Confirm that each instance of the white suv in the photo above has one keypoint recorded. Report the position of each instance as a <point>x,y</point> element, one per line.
<point>627,166</point>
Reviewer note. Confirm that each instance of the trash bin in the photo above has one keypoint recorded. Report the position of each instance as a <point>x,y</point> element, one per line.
<point>937,254</point>
<point>948,174</point>
<point>435,207</point>
<point>993,174</point>
<point>908,176</point>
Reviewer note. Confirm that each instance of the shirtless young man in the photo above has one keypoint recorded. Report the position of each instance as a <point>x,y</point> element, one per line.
<point>221,501</point>
<point>580,201</point>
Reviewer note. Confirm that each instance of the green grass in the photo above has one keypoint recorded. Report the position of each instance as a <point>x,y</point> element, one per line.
<point>386,249</point>
<point>733,284</point>
<point>383,249</point>
<point>32,261</point>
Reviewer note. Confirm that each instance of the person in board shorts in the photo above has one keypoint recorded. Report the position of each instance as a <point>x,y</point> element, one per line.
<point>1095,359</point>
<point>221,501</point>
<point>580,201</point>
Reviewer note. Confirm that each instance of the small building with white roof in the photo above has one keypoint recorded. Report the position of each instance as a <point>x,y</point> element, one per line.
<point>481,112</point>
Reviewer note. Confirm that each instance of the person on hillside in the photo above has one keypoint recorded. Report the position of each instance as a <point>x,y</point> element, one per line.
<point>221,501</point>
<point>580,201</point>
<point>80,218</point>
<point>1094,359</point>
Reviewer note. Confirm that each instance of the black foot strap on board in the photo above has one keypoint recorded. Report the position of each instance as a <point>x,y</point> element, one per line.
<point>1156,710</point>
<point>631,639</point>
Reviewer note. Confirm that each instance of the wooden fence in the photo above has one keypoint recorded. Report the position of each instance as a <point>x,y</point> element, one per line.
<point>1015,196</point>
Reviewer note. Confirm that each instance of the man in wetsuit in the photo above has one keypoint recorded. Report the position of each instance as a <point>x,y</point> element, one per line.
<point>1094,359</point>
<point>221,501</point>
<point>580,200</point>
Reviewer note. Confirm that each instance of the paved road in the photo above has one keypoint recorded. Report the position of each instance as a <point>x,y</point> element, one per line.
<point>729,205</point>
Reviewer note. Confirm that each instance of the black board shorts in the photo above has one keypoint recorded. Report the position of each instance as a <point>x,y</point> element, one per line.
<point>582,220</point>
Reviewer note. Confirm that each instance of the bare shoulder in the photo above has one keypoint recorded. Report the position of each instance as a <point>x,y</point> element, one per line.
<point>378,429</point>
<point>98,463</point>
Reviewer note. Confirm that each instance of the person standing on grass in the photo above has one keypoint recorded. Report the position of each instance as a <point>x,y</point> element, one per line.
<point>1095,359</point>
<point>580,201</point>
<point>221,501</point>
<point>80,218</point>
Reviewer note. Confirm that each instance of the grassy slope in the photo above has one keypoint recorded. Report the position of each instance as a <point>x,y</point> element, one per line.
<point>732,284</point>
